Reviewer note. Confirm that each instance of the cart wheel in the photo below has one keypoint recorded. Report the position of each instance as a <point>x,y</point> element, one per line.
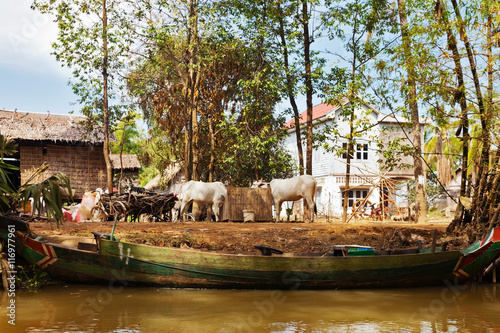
<point>98,215</point>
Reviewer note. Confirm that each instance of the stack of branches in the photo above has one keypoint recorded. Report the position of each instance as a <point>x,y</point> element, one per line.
<point>481,213</point>
<point>155,206</point>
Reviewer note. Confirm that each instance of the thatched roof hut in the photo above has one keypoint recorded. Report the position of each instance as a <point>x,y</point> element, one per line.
<point>129,161</point>
<point>62,141</point>
<point>131,166</point>
<point>47,127</point>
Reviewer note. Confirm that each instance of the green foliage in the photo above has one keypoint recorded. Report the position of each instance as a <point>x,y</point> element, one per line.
<point>79,46</point>
<point>433,190</point>
<point>146,174</point>
<point>7,147</point>
<point>6,188</point>
<point>364,29</point>
<point>31,278</point>
<point>248,154</point>
<point>132,136</point>
<point>46,194</point>
<point>236,89</point>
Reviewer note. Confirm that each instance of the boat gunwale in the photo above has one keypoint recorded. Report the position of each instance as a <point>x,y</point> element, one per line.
<point>318,256</point>
<point>284,255</point>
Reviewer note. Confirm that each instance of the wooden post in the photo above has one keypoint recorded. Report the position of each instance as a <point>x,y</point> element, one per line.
<point>433,246</point>
<point>408,201</point>
<point>4,271</point>
<point>494,278</point>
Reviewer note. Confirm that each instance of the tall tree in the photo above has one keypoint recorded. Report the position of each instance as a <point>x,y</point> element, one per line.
<point>308,82</point>
<point>171,33</point>
<point>191,91</point>
<point>485,147</point>
<point>361,27</point>
<point>235,95</point>
<point>463,128</point>
<point>93,41</point>
<point>420,201</point>
<point>285,30</point>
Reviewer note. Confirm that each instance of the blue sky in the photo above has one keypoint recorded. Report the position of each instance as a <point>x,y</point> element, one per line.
<point>30,77</point>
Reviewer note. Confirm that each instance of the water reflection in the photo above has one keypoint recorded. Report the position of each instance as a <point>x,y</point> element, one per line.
<point>79,308</point>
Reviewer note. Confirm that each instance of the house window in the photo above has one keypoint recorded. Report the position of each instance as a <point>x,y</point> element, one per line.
<point>355,195</point>
<point>361,152</point>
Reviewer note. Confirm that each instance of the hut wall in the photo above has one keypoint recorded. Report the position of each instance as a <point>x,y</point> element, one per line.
<point>85,166</point>
<point>239,199</point>
<point>30,159</point>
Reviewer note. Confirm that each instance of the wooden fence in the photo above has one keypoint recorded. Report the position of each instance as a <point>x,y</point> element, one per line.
<point>243,202</point>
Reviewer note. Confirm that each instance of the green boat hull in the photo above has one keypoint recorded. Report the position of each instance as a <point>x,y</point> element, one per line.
<point>119,263</point>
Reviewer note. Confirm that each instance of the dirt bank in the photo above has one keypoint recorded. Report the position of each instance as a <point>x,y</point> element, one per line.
<point>319,236</point>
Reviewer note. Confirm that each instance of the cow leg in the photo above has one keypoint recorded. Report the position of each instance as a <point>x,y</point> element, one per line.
<point>215,211</point>
<point>277,207</point>
<point>184,206</point>
<point>310,203</point>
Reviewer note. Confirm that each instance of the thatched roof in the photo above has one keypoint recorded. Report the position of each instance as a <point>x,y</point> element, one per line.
<point>163,178</point>
<point>153,184</point>
<point>21,125</point>
<point>130,161</point>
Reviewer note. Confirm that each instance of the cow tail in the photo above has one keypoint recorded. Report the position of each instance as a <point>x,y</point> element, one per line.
<point>315,210</point>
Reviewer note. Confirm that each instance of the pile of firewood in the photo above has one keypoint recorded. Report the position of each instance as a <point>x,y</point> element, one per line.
<point>153,206</point>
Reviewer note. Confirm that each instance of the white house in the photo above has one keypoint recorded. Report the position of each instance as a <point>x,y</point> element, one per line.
<point>367,177</point>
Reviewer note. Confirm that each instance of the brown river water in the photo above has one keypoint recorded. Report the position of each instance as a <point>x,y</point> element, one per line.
<point>83,308</point>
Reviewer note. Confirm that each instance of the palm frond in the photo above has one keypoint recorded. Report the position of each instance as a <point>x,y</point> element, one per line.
<point>7,147</point>
<point>47,194</point>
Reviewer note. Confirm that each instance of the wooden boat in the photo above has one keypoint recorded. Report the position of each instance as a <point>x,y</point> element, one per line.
<point>119,263</point>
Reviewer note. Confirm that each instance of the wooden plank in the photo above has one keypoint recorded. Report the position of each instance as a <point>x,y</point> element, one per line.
<point>239,199</point>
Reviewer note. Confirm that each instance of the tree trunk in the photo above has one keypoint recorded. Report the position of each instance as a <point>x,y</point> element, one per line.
<point>350,153</point>
<point>479,192</point>
<point>194,148</point>
<point>464,120</point>
<point>420,201</point>
<point>187,144</point>
<point>291,95</point>
<point>105,110</point>
<point>309,96</point>
<point>121,160</point>
<point>308,86</point>
<point>212,151</point>
<point>191,95</point>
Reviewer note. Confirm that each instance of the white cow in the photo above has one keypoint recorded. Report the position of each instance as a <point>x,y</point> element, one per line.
<point>292,189</point>
<point>203,194</point>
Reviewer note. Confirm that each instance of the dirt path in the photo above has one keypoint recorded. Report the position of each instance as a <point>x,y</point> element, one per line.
<point>319,236</point>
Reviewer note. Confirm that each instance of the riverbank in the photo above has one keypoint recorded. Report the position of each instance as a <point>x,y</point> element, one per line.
<point>319,236</point>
